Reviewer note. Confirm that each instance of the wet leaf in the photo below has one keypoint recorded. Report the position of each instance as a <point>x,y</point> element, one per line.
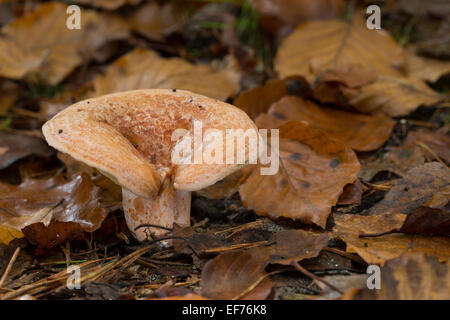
<point>414,190</point>
<point>377,250</point>
<point>40,46</point>
<point>15,146</point>
<point>52,199</point>
<point>314,168</point>
<point>231,274</point>
<point>360,132</point>
<point>141,69</point>
<point>409,277</point>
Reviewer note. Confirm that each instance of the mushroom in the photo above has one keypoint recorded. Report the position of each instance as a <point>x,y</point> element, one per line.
<point>128,136</point>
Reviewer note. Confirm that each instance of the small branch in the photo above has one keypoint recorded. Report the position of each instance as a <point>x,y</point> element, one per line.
<point>10,264</point>
<point>314,277</point>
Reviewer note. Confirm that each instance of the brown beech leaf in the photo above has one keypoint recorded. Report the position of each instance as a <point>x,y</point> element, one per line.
<point>290,245</point>
<point>231,274</point>
<point>53,199</point>
<point>412,276</point>
<point>15,146</point>
<point>142,69</point>
<point>428,220</point>
<point>438,142</point>
<point>425,68</point>
<point>398,160</point>
<point>278,16</point>
<point>8,234</point>
<point>154,21</point>
<point>377,250</point>
<point>414,190</point>
<point>258,100</point>
<point>335,42</point>
<point>360,132</point>
<point>40,45</point>
<point>392,96</point>
<point>313,170</point>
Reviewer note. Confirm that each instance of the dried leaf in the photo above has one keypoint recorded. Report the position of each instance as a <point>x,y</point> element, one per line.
<point>231,274</point>
<point>314,168</point>
<point>8,234</point>
<point>392,96</point>
<point>425,68</point>
<point>141,69</point>
<point>377,250</point>
<point>155,21</point>
<point>258,100</point>
<point>428,221</point>
<point>332,43</point>
<point>438,142</point>
<point>352,194</point>
<point>40,45</point>
<point>409,277</point>
<point>360,132</point>
<point>413,191</point>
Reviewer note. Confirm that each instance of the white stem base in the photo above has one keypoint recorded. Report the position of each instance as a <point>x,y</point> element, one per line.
<point>171,206</point>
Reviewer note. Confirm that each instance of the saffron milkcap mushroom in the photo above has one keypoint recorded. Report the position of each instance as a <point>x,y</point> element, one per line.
<point>128,136</point>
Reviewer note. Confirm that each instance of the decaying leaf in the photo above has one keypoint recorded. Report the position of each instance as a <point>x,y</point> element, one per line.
<point>351,194</point>
<point>377,250</point>
<point>412,276</point>
<point>14,146</point>
<point>313,170</point>
<point>40,46</point>
<point>258,100</point>
<point>141,69</point>
<point>360,132</point>
<point>438,142</point>
<point>290,245</point>
<point>232,274</point>
<point>414,190</point>
<point>52,199</point>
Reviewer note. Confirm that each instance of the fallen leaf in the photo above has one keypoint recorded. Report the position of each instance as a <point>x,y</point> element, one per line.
<point>189,296</point>
<point>378,250</point>
<point>335,42</point>
<point>141,69</point>
<point>438,142</point>
<point>352,194</point>
<point>428,220</point>
<point>279,16</point>
<point>290,245</point>
<point>314,168</point>
<point>258,100</point>
<point>414,190</point>
<point>398,160</point>
<point>425,68</point>
<point>17,146</point>
<point>409,277</point>
<point>52,199</point>
<point>360,132</point>
<point>154,20</point>
<point>231,274</point>
<point>392,96</point>
<point>40,46</point>
<point>8,234</point>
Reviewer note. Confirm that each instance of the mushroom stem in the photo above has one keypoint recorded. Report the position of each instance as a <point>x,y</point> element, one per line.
<point>170,206</point>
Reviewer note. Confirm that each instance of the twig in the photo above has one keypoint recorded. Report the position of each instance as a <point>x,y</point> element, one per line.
<point>10,264</point>
<point>427,148</point>
<point>236,246</point>
<point>314,277</point>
